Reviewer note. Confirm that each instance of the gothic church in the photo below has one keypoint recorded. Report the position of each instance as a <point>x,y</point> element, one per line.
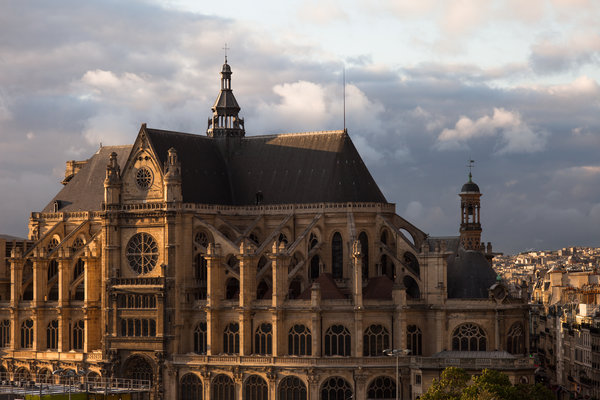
<point>226,266</point>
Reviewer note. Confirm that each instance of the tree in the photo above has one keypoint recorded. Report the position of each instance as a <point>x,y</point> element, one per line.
<point>490,385</point>
<point>450,386</point>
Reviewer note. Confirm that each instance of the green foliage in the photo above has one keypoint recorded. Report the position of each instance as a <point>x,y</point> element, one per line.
<point>450,386</point>
<point>490,385</point>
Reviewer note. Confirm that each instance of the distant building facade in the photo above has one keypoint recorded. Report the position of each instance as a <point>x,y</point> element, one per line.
<point>229,266</point>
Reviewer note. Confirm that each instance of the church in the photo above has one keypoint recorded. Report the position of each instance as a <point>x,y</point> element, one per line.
<point>226,266</point>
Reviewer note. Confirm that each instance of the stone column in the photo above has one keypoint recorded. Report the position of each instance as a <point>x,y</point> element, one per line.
<point>399,296</point>
<point>313,385</point>
<point>360,380</point>
<point>315,299</point>
<point>214,295</point>
<point>92,281</point>
<point>40,276</point>
<point>279,265</point>
<point>247,294</point>
<point>16,276</point>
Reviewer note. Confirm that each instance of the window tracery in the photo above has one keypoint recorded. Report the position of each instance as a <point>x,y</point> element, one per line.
<point>255,388</point>
<point>299,341</point>
<point>190,387</point>
<point>142,253</point>
<point>337,341</point>
<point>336,388</point>
<point>231,338</point>
<point>382,387</point>
<point>515,339</point>
<point>414,339</point>
<point>375,340</point>
<point>78,243</point>
<point>144,178</point>
<point>469,337</point>
<point>27,334</point>
<point>292,388</point>
<point>134,327</point>
<point>223,388</point>
<point>263,339</point>
<point>200,338</point>
<point>78,331</point>
<point>52,335</point>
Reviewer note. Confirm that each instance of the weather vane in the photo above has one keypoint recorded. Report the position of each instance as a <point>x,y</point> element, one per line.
<point>225,48</point>
<point>471,164</point>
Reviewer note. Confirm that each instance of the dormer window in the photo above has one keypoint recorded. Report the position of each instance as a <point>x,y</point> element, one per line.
<point>56,206</point>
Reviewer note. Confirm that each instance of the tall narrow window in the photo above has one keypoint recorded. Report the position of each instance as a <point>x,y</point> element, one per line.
<point>413,340</point>
<point>52,335</point>
<point>375,340</point>
<point>299,341</point>
<point>515,340</point>
<point>79,268</point>
<point>27,334</point>
<point>232,289</point>
<point>52,269</point>
<point>78,330</point>
<point>231,338</point>
<point>337,341</point>
<point>200,274</point>
<point>315,268</point>
<point>263,340</point>
<point>5,333</point>
<point>337,256</point>
<point>200,338</point>
<point>364,247</point>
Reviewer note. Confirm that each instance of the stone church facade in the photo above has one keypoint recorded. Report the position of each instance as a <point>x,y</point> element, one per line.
<point>228,266</point>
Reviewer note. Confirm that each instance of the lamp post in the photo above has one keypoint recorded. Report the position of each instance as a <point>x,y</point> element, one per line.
<point>397,353</point>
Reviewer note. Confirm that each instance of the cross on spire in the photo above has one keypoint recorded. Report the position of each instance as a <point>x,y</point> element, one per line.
<point>471,164</point>
<point>225,48</point>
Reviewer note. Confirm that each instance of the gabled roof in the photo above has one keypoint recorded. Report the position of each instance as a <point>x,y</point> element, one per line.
<point>316,167</point>
<point>85,191</point>
<point>327,286</point>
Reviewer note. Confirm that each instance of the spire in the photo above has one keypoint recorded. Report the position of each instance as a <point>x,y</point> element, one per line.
<point>470,205</point>
<point>225,121</point>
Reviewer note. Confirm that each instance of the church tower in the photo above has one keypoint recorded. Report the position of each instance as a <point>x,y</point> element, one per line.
<point>470,224</point>
<point>225,121</point>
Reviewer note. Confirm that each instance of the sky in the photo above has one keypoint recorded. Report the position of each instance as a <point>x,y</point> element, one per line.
<point>430,85</point>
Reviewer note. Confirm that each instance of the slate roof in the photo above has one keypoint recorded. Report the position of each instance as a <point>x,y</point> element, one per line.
<point>470,275</point>
<point>85,192</point>
<point>329,290</point>
<point>286,168</point>
<point>379,288</point>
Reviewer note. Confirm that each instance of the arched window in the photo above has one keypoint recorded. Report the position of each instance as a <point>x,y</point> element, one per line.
<point>337,256</point>
<point>384,237</point>
<point>190,387</point>
<point>44,375</point>
<point>78,330</point>
<point>5,333</point>
<point>382,387</point>
<point>515,339</point>
<point>337,341</point>
<point>299,341</point>
<point>200,338</point>
<point>139,369</point>
<point>282,239</point>
<point>231,338</point>
<point>412,263</point>
<point>200,275</point>
<point>27,334</point>
<point>232,289</point>
<point>52,244</point>
<point>315,268</point>
<point>223,388</point>
<point>469,337</point>
<point>52,335</point>
<point>292,388</point>
<point>336,388</point>
<point>413,340</point>
<point>262,262</point>
<point>375,340</point>
<point>52,269</point>
<point>78,243</point>
<point>263,339</point>
<point>255,388</point>
<point>202,238</point>
<point>78,269</point>
<point>364,247</point>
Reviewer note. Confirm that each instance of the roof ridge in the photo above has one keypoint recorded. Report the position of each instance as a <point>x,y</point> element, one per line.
<point>338,131</point>
<point>177,132</point>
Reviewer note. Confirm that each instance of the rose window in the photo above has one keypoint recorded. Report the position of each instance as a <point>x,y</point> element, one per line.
<point>143,178</point>
<point>142,253</point>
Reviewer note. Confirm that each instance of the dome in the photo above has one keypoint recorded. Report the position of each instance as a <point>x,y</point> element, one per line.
<point>226,68</point>
<point>470,187</point>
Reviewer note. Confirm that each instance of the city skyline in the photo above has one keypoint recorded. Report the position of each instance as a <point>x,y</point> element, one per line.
<point>428,87</point>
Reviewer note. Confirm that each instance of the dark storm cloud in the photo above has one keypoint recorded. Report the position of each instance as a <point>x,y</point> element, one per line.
<point>93,71</point>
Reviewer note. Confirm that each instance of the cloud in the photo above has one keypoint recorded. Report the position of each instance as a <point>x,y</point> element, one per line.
<point>516,135</point>
<point>550,56</point>
<point>322,12</point>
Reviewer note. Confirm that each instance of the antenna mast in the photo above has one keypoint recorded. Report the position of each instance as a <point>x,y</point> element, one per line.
<point>344,91</point>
